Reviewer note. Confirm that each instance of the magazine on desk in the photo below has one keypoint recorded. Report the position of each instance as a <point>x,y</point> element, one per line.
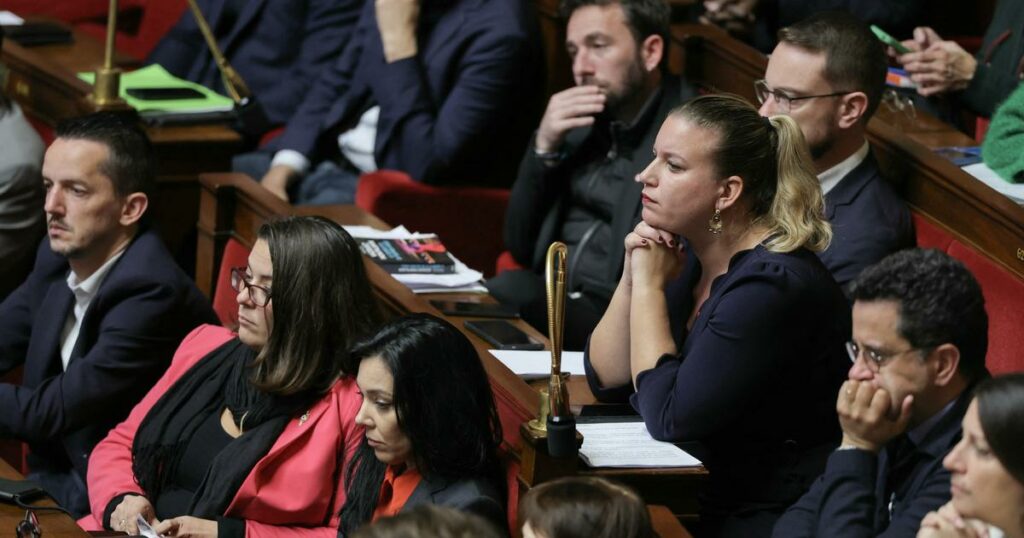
<point>462,280</point>
<point>425,255</point>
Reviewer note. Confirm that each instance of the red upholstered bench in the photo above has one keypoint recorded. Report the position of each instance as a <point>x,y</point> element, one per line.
<point>469,220</point>
<point>1004,295</point>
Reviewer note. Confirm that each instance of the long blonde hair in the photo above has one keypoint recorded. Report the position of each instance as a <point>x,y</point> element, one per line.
<point>771,157</point>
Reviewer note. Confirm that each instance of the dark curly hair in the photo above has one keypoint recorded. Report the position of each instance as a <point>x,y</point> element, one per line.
<point>940,302</point>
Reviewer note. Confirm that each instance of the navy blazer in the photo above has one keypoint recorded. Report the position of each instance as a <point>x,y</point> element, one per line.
<point>473,495</point>
<point>456,112</point>
<point>849,500</point>
<point>279,47</point>
<point>869,221</point>
<point>140,314</point>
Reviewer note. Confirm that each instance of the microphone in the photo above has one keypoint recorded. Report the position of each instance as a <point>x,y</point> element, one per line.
<point>250,119</point>
<point>561,425</point>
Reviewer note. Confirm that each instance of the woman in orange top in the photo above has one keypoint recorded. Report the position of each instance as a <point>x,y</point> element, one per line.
<point>432,429</point>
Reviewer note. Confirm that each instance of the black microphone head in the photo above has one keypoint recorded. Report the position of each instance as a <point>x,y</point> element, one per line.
<point>562,436</point>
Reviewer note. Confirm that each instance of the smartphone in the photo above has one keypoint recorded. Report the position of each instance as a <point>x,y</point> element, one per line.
<point>502,334</point>
<point>15,491</point>
<point>164,94</point>
<point>480,310</point>
<point>889,40</point>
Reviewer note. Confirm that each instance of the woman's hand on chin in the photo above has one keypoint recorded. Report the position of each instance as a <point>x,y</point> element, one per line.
<point>187,527</point>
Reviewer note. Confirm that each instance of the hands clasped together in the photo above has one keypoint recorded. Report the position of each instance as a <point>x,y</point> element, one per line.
<point>946,522</point>
<point>653,257</point>
<point>123,519</point>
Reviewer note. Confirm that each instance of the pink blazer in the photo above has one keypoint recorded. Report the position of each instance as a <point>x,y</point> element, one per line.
<point>295,490</point>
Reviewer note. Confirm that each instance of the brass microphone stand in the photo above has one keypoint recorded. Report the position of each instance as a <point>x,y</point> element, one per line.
<point>106,88</point>
<point>236,87</point>
<point>560,424</point>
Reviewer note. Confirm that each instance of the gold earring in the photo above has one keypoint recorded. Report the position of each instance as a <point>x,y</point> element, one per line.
<point>715,223</point>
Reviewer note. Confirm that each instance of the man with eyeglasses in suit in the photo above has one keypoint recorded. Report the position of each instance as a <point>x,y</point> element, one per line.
<point>828,74</point>
<point>918,349</point>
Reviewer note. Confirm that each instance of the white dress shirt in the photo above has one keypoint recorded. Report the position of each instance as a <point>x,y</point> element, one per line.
<point>84,292</point>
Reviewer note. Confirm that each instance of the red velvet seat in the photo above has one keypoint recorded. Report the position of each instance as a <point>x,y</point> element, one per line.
<point>469,220</point>
<point>929,234</point>
<point>224,304</point>
<point>1004,296</point>
<point>1003,291</point>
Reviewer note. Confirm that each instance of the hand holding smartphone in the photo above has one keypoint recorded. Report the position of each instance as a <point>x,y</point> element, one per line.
<point>889,40</point>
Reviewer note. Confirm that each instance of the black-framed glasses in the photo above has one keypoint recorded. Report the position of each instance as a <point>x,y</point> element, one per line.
<point>29,527</point>
<point>875,358</point>
<point>259,295</point>
<point>785,101</point>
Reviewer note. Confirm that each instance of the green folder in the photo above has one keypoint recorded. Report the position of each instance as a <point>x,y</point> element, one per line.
<point>155,76</point>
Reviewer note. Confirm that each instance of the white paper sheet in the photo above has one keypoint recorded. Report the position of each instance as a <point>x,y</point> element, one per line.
<point>537,364</point>
<point>627,444</point>
<point>10,19</point>
<point>988,176</point>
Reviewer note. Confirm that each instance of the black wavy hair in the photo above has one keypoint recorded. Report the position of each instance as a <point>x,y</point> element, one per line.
<point>437,376</point>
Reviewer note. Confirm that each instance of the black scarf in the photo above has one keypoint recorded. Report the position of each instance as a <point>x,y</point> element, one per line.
<point>219,380</point>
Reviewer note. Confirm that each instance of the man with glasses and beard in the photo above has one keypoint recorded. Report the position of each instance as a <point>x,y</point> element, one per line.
<point>918,349</point>
<point>828,74</point>
<point>576,181</point>
<point>101,313</point>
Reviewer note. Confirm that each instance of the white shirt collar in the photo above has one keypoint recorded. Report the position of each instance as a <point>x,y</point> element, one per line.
<point>91,285</point>
<point>831,177</point>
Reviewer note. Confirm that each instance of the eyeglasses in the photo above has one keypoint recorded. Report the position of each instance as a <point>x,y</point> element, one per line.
<point>259,295</point>
<point>785,101</point>
<point>29,527</point>
<point>875,357</point>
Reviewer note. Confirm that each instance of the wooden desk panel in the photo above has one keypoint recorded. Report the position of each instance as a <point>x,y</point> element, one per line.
<point>52,523</point>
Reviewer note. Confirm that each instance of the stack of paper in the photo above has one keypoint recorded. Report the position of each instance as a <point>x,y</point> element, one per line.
<point>155,76</point>
<point>537,364</point>
<point>988,176</point>
<point>462,280</point>
<point>627,444</point>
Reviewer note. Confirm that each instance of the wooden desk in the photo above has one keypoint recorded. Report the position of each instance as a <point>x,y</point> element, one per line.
<point>44,81</point>
<point>233,206</point>
<point>665,524</point>
<point>968,209</point>
<point>52,523</point>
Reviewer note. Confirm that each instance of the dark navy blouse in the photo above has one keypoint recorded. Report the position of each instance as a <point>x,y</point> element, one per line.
<point>756,380</point>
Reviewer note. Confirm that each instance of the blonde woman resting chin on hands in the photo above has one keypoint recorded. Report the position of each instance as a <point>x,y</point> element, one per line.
<point>734,340</point>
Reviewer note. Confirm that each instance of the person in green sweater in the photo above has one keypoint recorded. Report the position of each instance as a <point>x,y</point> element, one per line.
<point>1001,150</point>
